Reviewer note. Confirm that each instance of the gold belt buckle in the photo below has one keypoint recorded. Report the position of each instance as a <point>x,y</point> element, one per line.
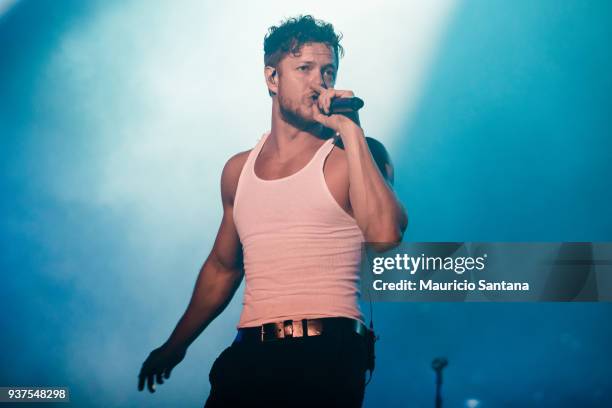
<point>281,330</point>
<point>291,329</point>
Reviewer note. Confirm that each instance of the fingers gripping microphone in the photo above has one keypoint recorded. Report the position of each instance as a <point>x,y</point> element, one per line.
<point>345,105</point>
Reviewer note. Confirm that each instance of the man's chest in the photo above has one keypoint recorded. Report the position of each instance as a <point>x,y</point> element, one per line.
<point>335,171</point>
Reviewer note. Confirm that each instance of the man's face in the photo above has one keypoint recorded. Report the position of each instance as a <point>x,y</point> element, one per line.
<point>314,64</point>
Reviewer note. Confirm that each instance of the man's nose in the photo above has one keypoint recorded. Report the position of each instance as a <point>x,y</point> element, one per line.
<point>318,80</point>
<point>320,84</point>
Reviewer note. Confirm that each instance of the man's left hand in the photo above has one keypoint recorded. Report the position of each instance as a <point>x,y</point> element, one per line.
<point>337,122</point>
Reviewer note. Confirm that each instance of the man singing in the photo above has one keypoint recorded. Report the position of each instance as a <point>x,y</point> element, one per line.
<point>296,210</point>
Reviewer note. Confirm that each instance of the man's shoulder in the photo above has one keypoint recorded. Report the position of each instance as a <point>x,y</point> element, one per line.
<point>236,162</point>
<point>231,174</point>
<point>382,158</point>
<point>376,147</point>
<point>379,153</point>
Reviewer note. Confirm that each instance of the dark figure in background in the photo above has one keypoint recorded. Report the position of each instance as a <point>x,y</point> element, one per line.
<point>296,209</point>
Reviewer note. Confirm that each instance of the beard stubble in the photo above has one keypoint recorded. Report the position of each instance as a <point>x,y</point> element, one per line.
<point>292,116</point>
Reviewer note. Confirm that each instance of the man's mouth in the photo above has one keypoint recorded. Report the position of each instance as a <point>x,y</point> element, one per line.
<point>314,98</point>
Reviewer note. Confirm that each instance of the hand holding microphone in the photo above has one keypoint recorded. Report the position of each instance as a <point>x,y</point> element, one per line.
<point>336,108</point>
<point>331,101</point>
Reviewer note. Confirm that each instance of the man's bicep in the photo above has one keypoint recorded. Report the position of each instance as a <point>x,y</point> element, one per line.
<point>227,249</point>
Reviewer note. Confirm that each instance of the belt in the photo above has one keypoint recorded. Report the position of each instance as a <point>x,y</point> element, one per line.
<point>289,329</point>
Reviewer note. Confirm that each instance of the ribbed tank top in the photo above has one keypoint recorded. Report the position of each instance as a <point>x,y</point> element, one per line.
<point>301,249</point>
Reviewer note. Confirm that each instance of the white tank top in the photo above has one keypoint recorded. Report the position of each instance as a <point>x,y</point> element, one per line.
<point>301,249</point>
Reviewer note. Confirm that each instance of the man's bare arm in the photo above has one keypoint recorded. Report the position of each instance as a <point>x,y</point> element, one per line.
<point>220,274</point>
<point>215,286</point>
<point>378,211</point>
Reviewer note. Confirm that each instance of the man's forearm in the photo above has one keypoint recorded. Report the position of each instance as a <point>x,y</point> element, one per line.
<point>213,291</point>
<point>377,210</point>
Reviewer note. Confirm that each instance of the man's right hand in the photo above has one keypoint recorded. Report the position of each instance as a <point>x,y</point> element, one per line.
<point>160,363</point>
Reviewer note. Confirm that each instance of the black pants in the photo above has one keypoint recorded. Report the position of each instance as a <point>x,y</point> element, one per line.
<point>320,371</point>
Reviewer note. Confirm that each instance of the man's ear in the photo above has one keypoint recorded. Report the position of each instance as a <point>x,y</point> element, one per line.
<point>271,74</point>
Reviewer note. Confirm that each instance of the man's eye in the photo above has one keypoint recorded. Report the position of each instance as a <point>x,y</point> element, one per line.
<point>303,67</point>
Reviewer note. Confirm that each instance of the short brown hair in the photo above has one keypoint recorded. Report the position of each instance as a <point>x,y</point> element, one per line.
<point>295,32</point>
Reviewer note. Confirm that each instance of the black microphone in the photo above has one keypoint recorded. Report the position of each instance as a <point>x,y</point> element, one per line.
<point>345,105</point>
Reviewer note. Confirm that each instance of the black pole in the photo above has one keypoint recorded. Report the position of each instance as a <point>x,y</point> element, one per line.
<point>438,365</point>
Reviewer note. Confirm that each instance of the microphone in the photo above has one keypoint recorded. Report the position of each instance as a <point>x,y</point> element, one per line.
<point>345,105</point>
